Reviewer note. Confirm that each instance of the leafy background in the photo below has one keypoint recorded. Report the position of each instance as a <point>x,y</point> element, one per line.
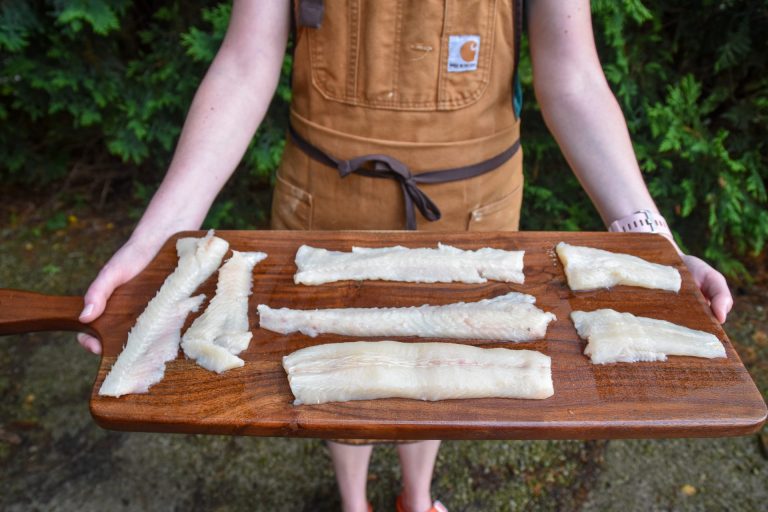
<point>93,95</point>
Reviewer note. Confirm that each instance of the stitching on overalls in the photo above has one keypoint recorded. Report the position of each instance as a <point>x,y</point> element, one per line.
<point>443,54</point>
<point>398,37</point>
<point>354,22</point>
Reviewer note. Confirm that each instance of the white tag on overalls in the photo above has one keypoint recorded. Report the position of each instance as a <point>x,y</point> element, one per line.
<point>463,53</point>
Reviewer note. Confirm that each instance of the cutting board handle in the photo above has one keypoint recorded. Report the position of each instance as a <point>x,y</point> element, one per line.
<point>23,311</point>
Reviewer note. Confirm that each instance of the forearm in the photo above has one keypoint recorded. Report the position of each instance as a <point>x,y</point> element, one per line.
<point>589,127</point>
<point>221,122</point>
<point>580,109</point>
<point>583,115</point>
<point>226,111</point>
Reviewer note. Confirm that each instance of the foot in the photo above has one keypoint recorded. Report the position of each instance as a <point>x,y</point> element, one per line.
<point>436,506</point>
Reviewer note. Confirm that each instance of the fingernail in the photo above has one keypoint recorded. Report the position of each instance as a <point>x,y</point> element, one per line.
<point>86,310</point>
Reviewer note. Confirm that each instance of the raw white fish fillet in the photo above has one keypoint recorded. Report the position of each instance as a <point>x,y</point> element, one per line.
<point>623,337</point>
<point>361,370</point>
<point>154,339</point>
<point>510,317</point>
<point>216,337</point>
<point>587,269</point>
<point>423,265</point>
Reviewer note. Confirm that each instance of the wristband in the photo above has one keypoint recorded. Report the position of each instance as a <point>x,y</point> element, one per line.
<point>643,221</point>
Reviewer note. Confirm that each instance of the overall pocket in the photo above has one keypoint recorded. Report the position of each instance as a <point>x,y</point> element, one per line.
<point>292,203</point>
<point>418,55</point>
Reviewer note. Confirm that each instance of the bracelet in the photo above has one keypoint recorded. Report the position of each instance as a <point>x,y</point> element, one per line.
<point>643,221</point>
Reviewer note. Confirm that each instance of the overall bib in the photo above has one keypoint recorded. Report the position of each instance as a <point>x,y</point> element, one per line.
<point>395,103</point>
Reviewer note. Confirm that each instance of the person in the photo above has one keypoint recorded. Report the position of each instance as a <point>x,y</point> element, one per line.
<point>403,114</point>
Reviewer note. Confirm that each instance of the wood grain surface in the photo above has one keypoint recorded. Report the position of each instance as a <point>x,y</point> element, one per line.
<point>682,397</point>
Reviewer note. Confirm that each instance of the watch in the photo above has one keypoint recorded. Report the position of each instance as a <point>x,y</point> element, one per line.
<point>642,221</point>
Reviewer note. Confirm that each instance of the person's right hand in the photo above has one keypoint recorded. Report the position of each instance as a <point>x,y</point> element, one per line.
<point>126,263</point>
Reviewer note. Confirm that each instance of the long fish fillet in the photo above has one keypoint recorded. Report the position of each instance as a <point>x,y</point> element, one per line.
<point>623,337</point>
<point>587,268</point>
<point>154,339</point>
<point>444,264</point>
<point>510,317</point>
<point>360,370</point>
<point>216,337</point>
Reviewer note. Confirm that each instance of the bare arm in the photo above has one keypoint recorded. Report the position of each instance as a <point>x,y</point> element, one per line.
<point>227,109</point>
<point>585,119</point>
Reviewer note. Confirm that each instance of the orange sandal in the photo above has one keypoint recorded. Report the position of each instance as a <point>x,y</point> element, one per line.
<point>436,506</point>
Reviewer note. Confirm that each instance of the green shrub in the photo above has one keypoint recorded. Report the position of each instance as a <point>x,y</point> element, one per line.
<point>106,83</point>
<point>84,77</point>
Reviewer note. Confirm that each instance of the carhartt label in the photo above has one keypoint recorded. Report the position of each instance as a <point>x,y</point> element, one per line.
<point>463,52</point>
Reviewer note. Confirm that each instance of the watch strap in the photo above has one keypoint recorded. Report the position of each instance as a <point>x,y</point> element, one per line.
<point>642,221</point>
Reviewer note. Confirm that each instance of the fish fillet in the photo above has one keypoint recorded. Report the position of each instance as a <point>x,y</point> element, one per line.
<point>587,269</point>
<point>423,265</point>
<point>510,317</point>
<point>361,370</point>
<point>216,337</point>
<point>154,339</point>
<point>623,337</point>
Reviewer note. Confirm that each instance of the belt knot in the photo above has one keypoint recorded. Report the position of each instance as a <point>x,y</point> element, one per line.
<point>385,166</point>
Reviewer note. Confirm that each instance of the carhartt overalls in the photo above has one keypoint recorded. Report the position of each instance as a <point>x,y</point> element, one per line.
<point>386,93</point>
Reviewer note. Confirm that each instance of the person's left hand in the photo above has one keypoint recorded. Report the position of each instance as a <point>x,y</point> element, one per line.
<point>712,284</point>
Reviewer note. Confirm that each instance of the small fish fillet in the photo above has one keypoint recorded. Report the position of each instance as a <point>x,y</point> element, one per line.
<point>361,370</point>
<point>587,269</point>
<point>623,337</point>
<point>216,337</point>
<point>154,339</point>
<point>445,264</point>
<point>510,317</point>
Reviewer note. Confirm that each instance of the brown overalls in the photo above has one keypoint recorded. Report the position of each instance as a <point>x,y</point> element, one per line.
<point>413,86</point>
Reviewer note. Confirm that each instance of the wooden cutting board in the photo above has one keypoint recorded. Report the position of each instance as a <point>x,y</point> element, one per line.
<point>682,397</point>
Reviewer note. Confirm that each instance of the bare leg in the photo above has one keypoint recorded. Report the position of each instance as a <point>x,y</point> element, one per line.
<point>417,461</point>
<point>350,462</point>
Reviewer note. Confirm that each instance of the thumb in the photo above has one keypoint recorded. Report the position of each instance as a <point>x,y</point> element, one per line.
<point>98,293</point>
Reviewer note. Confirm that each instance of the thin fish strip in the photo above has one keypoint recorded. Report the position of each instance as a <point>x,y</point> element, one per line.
<point>339,372</point>
<point>510,317</point>
<point>154,339</point>
<point>216,337</point>
<point>445,264</point>
<point>587,268</point>
<point>623,337</point>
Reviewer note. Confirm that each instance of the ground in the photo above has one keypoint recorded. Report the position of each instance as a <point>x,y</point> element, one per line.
<point>53,457</point>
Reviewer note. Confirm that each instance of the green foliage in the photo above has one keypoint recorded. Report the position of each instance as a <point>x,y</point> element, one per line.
<point>106,84</point>
<point>692,80</point>
<point>111,81</point>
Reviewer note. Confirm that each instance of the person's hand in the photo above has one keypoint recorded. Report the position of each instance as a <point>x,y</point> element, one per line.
<point>712,284</point>
<point>128,261</point>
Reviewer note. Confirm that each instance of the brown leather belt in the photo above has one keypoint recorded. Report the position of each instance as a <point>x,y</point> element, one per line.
<point>385,166</point>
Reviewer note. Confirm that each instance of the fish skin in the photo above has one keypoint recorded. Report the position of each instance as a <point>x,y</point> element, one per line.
<point>154,339</point>
<point>510,317</point>
<point>445,264</point>
<point>614,337</point>
<point>216,337</point>
<point>587,268</point>
<point>362,370</point>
